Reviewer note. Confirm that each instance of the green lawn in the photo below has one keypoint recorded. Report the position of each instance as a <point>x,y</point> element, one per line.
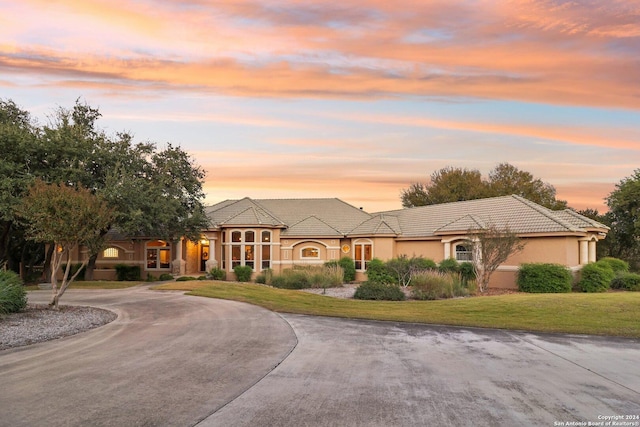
<point>613,313</point>
<point>95,284</point>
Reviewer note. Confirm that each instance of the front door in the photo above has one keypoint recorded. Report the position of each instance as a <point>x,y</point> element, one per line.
<point>204,257</point>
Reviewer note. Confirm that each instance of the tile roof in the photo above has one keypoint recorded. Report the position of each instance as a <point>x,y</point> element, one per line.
<point>333,217</point>
<point>312,226</point>
<point>514,212</point>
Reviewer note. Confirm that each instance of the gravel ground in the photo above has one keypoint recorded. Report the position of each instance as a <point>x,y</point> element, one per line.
<point>37,324</point>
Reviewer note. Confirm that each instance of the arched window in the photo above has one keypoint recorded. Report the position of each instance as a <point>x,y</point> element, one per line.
<point>111,253</point>
<point>310,252</point>
<point>463,252</point>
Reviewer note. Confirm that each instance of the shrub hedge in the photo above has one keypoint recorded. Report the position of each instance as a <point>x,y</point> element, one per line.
<point>627,281</point>
<point>544,277</point>
<point>377,272</point>
<point>379,292</point>
<point>127,272</point>
<point>449,265</point>
<point>217,273</point>
<point>165,276</point>
<point>595,277</point>
<point>617,265</point>
<point>243,273</point>
<point>13,297</point>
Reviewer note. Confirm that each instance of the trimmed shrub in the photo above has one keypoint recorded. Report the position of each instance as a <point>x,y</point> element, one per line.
<point>379,292</point>
<point>243,273</point>
<point>467,273</point>
<point>595,277</point>
<point>449,265</point>
<point>203,278</point>
<point>430,285</point>
<point>544,278</point>
<point>165,276</point>
<point>628,281</point>
<point>377,272</point>
<point>617,265</point>
<point>13,297</point>
<point>348,269</point>
<point>217,273</point>
<point>151,277</point>
<point>185,279</point>
<point>301,277</point>
<point>127,272</point>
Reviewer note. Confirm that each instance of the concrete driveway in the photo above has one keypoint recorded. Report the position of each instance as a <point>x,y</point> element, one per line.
<point>168,360</point>
<point>172,360</point>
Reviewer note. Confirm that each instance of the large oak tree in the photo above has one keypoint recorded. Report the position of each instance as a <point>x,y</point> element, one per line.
<point>154,192</point>
<point>457,184</point>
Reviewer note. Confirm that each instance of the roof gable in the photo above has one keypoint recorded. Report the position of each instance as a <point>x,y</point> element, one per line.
<point>311,226</point>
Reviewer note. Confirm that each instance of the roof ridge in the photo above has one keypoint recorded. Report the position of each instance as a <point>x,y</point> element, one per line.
<point>585,218</point>
<point>238,214</point>
<point>267,211</point>
<point>546,212</point>
<point>319,219</point>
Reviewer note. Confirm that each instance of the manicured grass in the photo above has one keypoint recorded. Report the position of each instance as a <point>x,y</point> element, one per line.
<point>613,313</point>
<point>95,284</point>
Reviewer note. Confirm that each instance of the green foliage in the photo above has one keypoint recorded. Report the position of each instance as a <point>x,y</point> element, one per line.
<point>243,273</point>
<point>151,278</point>
<point>627,281</point>
<point>402,268</point>
<point>302,277</point>
<point>595,277</point>
<point>624,216</point>
<point>349,269</point>
<point>126,272</point>
<point>185,279</point>
<point>449,265</point>
<point>67,217</point>
<point>544,278</point>
<point>379,291</point>
<point>431,285</point>
<point>265,276</point>
<point>456,184</point>
<point>165,276</point>
<point>617,265</point>
<point>216,273</point>
<point>203,277</point>
<point>13,296</point>
<point>467,272</point>
<point>377,272</point>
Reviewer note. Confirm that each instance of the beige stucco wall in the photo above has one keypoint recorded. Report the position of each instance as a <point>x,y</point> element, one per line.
<point>427,249</point>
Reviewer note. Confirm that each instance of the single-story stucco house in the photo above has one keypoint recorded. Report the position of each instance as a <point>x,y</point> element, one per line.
<point>281,233</point>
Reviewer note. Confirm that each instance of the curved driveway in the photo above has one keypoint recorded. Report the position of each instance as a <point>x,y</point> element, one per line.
<point>170,359</point>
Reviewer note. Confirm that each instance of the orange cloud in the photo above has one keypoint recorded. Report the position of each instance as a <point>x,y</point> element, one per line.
<point>534,51</point>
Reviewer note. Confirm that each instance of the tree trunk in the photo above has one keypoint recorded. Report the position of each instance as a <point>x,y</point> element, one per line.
<point>88,272</point>
<point>46,270</point>
<point>4,241</point>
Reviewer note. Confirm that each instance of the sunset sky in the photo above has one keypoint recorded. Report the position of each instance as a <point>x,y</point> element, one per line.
<point>354,99</point>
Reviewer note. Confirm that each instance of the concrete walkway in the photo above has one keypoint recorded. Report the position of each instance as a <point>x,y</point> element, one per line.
<point>174,360</point>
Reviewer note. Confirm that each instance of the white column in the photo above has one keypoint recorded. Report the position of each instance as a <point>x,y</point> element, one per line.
<point>447,250</point>
<point>592,251</point>
<point>584,252</point>
<point>211,262</point>
<point>179,266</point>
